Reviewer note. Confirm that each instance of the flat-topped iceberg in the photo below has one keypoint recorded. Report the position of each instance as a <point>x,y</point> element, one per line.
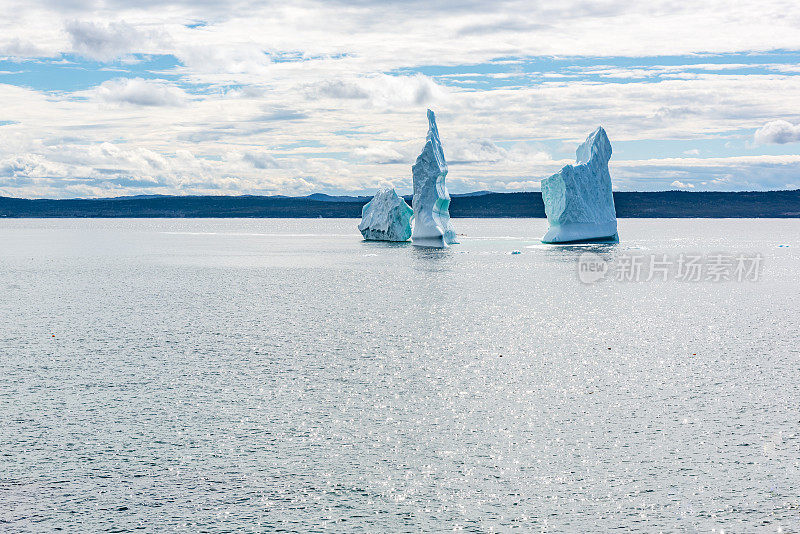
<point>386,217</point>
<point>431,202</point>
<point>578,200</point>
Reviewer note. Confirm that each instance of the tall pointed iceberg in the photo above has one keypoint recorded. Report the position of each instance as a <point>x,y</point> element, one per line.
<point>578,200</point>
<point>431,202</point>
<point>386,217</point>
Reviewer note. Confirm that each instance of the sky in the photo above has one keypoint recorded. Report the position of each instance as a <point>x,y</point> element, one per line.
<point>106,98</point>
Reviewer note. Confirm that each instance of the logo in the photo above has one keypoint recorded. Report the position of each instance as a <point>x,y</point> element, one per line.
<point>591,268</point>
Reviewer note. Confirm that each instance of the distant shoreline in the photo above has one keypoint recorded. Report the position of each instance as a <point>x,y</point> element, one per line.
<point>662,204</point>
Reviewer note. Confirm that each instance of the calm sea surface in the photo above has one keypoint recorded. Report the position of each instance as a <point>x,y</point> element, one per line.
<point>261,375</point>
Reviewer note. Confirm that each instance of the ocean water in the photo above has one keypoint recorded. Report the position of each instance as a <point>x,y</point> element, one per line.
<point>264,375</point>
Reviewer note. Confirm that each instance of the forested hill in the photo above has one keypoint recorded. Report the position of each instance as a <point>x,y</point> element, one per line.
<point>481,204</point>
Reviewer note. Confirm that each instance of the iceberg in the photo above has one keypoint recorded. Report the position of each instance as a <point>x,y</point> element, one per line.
<point>578,200</point>
<point>431,202</point>
<point>386,217</point>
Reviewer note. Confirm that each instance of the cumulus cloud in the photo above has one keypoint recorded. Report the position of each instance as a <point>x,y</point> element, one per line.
<point>504,25</point>
<point>380,154</point>
<point>216,55</point>
<point>21,168</point>
<point>140,92</point>
<point>335,103</point>
<point>475,151</point>
<point>261,160</point>
<point>279,114</point>
<point>777,132</point>
<point>17,47</point>
<point>737,173</point>
<point>113,169</point>
<point>404,90</point>
<point>136,158</point>
<point>104,42</point>
<point>381,90</point>
<point>335,89</point>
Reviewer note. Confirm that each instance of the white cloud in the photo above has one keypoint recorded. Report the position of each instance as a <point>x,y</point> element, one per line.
<point>104,41</point>
<point>140,92</point>
<point>381,90</point>
<point>280,115</point>
<point>336,89</point>
<point>287,100</point>
<point>475,151</point>
<point>261,160</point>
<point>223,57</point>
<point>738,173</point>
<point>777,132</point>
<point>681,185</point>
<point>17,47</point>
<point>382,33</point>
<point>380,154</point>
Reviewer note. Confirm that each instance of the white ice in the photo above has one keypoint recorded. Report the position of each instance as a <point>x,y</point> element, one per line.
<point>432,226</point>
<point>386,217</point>
<point>578,200</point>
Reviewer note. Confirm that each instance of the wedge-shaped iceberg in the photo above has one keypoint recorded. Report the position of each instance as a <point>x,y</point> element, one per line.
<point>386,217</point>
<point>431,202</point>
<point>578,200</point>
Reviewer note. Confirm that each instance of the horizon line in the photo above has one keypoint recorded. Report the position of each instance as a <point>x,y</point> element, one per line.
<point>145,196</point>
